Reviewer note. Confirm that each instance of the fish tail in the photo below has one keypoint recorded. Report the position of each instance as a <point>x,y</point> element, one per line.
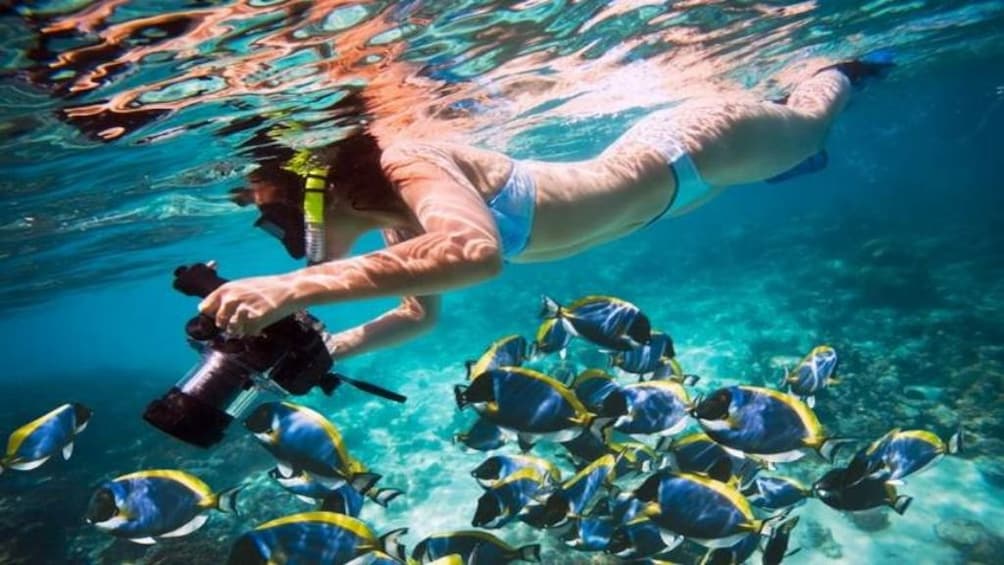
<point>600,427</point>
<point>687,380</point>
<point>391,545</point>
<point>828,449</point>
<point>460,395</point>
<point>901,503</point>
<point>530,553</point>
<point>226,501</point>
<point>784,378</point>
<point>777,522</point>
<point>954,444</point>
<point>549,308</point>
<point>383,496</point>
<point>363,482</point>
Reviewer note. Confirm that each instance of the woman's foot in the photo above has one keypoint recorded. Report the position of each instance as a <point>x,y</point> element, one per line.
<point>873,65</point>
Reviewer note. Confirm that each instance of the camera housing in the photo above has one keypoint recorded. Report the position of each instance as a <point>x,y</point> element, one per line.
<point>288,357</point>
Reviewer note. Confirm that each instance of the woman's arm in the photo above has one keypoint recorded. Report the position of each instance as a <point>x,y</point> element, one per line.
<point>414,316</point>
<point>459,247</point>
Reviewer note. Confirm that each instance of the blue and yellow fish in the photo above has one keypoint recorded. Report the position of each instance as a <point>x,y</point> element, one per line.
<point>764,422</point>
<point>646,358</point>
<point>844,490</point>
<point>775,493</point>
<point>149,505</point>
<point>606,321</point>
<point>698,453</point>
<point>706,511</point>
<point>529,404</point>
<point>649,407</point>
<point>509,351</point>
<point>302,439</point>
<point>314,537</point>
<point>901,453</point>
<point>640,538</point>
<point>574,496</point>
<point>592,387</point>
<point>344,499</point>
<point>590,534</point>
<point>553,336</point>
<point>776,549</point>
<point>483,436</point>
<point>34,443</point>
<point>634,457</point>
<point>505,499</point>
<point>474,548</point>
<point>498,467</point>
<point>815,372</point>
<point>586,448</point>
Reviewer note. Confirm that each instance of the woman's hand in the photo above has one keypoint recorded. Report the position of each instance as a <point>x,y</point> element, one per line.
<point>247,306</point>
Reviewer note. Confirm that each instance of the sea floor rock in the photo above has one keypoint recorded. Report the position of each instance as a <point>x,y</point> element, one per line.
<point>819,537</point>
<point>870,520</point>
<point>972,539</point>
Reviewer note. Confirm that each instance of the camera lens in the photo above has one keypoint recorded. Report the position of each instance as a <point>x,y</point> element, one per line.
<point>199,408</point>
<point>187,419</point>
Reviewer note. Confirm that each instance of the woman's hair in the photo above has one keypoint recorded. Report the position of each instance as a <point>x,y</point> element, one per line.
<point>354,171</point>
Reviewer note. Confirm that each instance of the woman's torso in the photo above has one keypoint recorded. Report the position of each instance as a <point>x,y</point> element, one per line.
<point>577,204</point>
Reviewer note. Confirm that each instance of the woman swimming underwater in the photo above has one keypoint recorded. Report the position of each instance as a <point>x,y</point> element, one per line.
<point>452,215</point>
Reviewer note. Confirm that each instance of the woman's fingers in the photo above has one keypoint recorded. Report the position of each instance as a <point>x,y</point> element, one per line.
<point>237,324</point>
<point>210,303</point>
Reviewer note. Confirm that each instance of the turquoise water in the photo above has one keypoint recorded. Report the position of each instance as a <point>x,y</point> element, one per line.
<point>893,254</point>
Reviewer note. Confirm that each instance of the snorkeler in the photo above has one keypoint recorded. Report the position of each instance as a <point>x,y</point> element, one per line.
<point>452,215</point>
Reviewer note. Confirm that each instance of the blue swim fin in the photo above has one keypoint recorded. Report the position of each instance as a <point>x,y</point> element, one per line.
<point>813,164</point>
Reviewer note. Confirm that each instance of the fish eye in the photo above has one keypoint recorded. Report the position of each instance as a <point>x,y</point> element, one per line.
<point>102,507</point>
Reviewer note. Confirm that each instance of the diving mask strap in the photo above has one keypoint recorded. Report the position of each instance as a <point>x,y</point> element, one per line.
<point>313,214</point>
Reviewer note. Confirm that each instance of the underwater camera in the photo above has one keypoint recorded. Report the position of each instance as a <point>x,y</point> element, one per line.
<point>289,357</point>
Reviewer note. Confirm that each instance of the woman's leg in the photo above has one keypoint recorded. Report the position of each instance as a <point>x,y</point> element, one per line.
<point>742,142</point>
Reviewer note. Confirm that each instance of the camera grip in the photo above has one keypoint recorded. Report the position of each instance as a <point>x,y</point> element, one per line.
<point>198,279</point>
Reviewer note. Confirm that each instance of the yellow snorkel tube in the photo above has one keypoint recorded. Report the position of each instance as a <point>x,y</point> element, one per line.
<point>313,214</point>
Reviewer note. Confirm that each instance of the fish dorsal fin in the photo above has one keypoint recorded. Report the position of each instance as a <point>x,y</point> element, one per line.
<point>191,526</point>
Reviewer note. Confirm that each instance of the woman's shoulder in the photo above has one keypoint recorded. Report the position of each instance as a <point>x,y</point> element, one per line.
<point>411,149</point>
<point>480,167</point>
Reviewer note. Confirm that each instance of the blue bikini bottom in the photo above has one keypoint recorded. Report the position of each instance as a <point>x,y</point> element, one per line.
<point>513,208</point>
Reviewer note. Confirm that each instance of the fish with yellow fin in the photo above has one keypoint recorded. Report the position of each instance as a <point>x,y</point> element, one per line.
<point>53,433</point>
<point>150,505</point>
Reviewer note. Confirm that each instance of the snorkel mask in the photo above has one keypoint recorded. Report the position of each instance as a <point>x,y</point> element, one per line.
<point>299,226</point>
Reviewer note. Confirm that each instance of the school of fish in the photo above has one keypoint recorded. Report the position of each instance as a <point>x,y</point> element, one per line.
<point>622,459</point>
